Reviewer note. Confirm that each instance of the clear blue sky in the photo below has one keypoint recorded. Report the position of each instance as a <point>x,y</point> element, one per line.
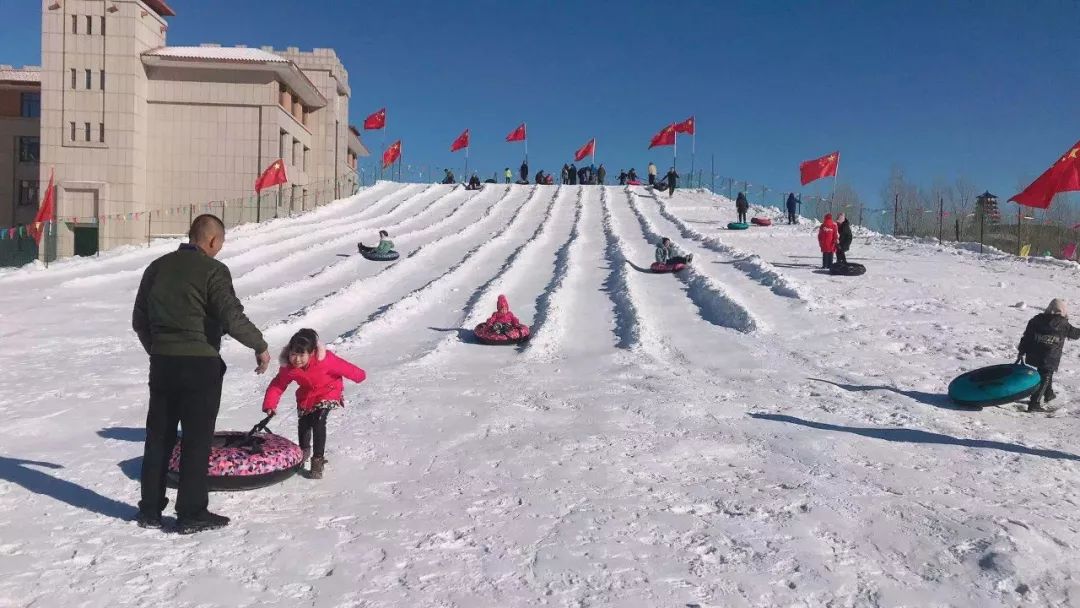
<point>988,90</point>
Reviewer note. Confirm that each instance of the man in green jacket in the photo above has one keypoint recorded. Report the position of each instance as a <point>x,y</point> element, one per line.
<point>185,303</point>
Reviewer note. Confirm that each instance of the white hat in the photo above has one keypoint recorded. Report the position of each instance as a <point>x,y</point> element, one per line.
<point>1057,307</point>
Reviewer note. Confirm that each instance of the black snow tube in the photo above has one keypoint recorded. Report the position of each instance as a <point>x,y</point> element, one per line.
<point>522,182</point>
<point>847,269</point>
<point>389,256</point>
<point>245,461</point>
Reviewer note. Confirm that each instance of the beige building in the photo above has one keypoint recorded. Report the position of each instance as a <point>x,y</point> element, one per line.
<point>133,126</point>
<point>20,111</point>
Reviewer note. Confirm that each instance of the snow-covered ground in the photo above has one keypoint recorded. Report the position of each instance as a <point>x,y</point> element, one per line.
<point>751,432</point>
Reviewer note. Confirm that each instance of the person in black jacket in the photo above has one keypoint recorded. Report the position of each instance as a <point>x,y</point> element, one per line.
<point>564,178</point>
<point>672,179</point>
<point>845,238</point>
<point>792,204</point>
<point>622,177</point>
<point>742,206</point>
<point>524,171</point>
<point>571,171</point>
<point>1044,338</point>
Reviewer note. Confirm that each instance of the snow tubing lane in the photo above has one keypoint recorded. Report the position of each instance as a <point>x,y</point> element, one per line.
<point>241,463</point>
<point>659,268</point>
<point>518,335</point>
<point>738,226</point>
<point>761,221</point>
<point>847,269</point>
<point>389,256</point>
<point>994,385</point>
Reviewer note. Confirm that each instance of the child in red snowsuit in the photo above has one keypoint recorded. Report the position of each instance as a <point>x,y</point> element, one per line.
<point>502,321</point>
<point>318,372</point>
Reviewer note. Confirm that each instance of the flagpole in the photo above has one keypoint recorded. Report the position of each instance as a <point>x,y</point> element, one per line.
<point>834,179</point>
<point>693,151</point>
<point>466,162</point>
<point>384,130</point>
<point>526,142</point>
<point>675,150</point>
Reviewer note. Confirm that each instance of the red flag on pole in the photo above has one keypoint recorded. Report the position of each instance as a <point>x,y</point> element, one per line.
<point>666,137</point>
<point>45,213</point>
<point>376,120</point>
<point>1062,176</point>
<point>461,142</point>
<point>518,134</point>
<point>686,126</point>
<point>273,176</point>
<point>585,150</point>
<point>819,168</point>
<point>392,154</point>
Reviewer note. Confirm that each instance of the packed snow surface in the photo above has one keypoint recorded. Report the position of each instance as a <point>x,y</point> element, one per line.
<point>749,432</point>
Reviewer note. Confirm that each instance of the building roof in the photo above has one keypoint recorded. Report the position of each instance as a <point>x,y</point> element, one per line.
<point>160,7</point>
<point>214,57</point>
<point>27,75</point>
<point>216,53</point>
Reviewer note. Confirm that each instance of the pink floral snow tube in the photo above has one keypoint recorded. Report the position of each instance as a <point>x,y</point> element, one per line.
<point>658,267</point>
<point>238,462</point>
<point>515,334</point>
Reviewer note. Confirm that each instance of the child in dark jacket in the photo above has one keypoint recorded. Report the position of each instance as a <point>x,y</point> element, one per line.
<point>1044,338</point>
<point>318,372</point>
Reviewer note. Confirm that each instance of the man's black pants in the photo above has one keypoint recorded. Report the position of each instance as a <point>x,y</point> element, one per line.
<point>184,391</point>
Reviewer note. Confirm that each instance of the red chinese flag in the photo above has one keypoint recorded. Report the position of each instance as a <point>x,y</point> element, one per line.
<point>686,126</point>
<point>46,212</point>
<point>819,168</point>
<point>392,154</point>
<point>518,134</point>
<point>273,176</point>
<point>376,120</point>
<point>461,142</point>
<point>587,149</point>
<point>1062,176</point>
<point>666,137</point>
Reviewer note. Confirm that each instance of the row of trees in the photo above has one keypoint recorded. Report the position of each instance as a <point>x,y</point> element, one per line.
<point>949,210</point>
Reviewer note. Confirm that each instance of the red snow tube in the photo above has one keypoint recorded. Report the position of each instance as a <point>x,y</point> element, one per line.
<point>661,268</point>
<point>515,335</point>
<point>245,461</point>
<point>634,182</point>
<point>761,221</point>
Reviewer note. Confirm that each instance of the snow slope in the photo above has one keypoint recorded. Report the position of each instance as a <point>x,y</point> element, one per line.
<point>750,432</point>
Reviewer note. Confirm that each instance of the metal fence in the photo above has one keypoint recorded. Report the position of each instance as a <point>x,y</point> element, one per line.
<point>92,235</point>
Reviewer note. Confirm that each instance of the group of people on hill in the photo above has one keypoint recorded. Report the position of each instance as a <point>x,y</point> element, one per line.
<point>835,239</point>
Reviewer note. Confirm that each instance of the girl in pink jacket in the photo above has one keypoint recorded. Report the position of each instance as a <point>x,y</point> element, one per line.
<point>318,372</point>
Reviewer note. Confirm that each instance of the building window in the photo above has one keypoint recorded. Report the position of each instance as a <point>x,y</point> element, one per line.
<point>101,79</point>
<point>306,150</point>
<point>87,129</point>
<point>29,149</point>
<point>295,145</point>
<point>89,83</point>
<point>31,105</point>
<point>89,24</point>
<point>103,25</point>
<point>74,24</point>
<point>73,78</point>
<point>72,130</point>
<point>101,132</point>
<point>28,193</point>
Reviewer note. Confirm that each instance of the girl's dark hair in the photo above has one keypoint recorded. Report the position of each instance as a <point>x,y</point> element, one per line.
<point>304,341</point>
<point>384,233</point>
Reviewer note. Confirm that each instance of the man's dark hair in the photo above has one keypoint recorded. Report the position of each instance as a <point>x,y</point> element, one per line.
<point>204,227</point>
<point>384,233</point>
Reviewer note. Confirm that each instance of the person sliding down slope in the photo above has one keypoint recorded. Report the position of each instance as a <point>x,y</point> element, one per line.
<point>384,247</point>
<point>503,322</point>
<point>1043,341</point>
<point>668,253</point>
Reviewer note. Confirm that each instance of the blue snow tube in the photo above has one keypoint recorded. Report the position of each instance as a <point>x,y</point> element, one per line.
<point>994,385</point>
<point>738,226</point>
